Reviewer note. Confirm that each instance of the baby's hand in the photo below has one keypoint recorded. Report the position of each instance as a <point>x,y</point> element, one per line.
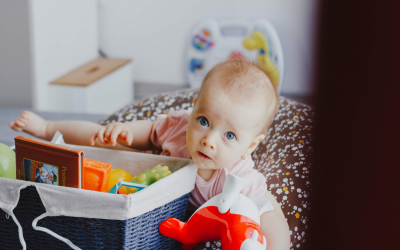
<point>113,132</point>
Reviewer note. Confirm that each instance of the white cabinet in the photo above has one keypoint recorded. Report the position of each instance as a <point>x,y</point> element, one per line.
<point>42,40</point>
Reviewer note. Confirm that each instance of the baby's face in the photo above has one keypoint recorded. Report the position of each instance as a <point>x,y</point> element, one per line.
<point>220,130</point>
<point>50,177</point>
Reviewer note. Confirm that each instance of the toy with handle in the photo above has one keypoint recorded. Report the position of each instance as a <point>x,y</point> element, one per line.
<point>230,217</point>
<point>232,187</point>
<point>215,40</point>
<point>115,188</point>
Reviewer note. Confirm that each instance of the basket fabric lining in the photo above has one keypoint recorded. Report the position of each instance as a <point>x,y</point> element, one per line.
<point>62,201</point>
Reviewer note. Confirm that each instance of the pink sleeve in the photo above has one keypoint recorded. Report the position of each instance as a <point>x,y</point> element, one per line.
<point>169,133</point>
<point>161,128</point>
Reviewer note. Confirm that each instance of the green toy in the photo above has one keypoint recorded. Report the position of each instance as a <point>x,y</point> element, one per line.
<point>7,162</point>
<point>150,176</point>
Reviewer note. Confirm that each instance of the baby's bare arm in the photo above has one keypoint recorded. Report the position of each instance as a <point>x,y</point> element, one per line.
<point>76,132</point>
<point>274,227</point>
<point>80,132</point>
<point>135,135</point>
<point>141,134</point>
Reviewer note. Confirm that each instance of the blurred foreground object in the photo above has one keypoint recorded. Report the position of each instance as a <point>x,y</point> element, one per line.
<point>355,185</point>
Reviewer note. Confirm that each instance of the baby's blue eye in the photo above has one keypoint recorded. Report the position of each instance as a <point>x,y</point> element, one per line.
<point>230,136</point>
<point>203,121</point>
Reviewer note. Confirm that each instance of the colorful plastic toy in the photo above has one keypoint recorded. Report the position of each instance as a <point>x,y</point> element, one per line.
<point>258,41</point>
<point>215,39</point>
<point>150,176</point>
<point>230,216</point>
<point>116,176</point>
<point>7,162</point>
<point>96,175</point>
<point>117,186</point>
<point>203,40</point>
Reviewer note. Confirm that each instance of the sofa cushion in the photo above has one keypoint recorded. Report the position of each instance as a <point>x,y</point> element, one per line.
<point>285,158</point>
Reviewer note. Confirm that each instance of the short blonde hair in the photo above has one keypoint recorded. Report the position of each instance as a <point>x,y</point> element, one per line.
<point>244,80</point>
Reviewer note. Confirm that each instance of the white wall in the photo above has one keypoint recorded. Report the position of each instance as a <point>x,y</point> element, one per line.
<point>152,32</point>
<point>40,40</point>
<point>155,34</point>
<point>15,71</point>
<point>63,37</point>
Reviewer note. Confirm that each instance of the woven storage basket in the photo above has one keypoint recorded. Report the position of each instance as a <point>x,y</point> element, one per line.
<point>137,233</point>
<point>134,232</point>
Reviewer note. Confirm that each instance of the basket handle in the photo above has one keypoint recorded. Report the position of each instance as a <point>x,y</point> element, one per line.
<point>65,240</point>
<point>20,233</point>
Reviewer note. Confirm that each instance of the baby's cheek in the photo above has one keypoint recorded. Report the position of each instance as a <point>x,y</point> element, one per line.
<point>191,135</point>
<point>189,140</point>
<point>188,136</point>
<point>226,158</point>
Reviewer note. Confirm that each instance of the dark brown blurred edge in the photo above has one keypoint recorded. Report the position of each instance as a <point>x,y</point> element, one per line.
<point>355,203</point>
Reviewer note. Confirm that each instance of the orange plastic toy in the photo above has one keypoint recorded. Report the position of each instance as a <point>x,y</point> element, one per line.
<point>96,175</point>
<point>118,175</point>
<point>229,216</point>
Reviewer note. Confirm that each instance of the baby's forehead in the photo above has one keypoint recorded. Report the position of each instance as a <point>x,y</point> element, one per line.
<point>218,106</point>
<point>242,82</point>
<point>249,82</point>
<point>241,90</point>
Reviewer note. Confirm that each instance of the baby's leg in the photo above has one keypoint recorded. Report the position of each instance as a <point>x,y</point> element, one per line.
<point>74,132</point>
<point>30,123</point>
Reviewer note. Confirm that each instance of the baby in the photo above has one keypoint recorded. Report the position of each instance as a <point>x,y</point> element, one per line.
<point>230,117</point>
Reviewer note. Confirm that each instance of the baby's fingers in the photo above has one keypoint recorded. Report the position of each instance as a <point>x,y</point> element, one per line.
<point>93,139</point>
<point>127,137</point>
<point>107,133</point>
<point>114,135</point>
<point>100,136</point>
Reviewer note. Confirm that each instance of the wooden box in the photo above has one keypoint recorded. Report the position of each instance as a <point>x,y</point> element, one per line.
<point>101,86</point>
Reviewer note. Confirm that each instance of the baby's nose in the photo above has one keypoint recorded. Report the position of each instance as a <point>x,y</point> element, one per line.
<point>207,143</point>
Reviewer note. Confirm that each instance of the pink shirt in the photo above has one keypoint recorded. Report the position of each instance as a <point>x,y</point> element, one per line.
<point>169,134</point>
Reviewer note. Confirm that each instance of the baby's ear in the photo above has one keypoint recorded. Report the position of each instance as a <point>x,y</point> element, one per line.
<point>254,143</point>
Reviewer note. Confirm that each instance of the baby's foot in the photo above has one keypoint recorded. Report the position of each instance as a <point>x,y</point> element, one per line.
<point>30,123</point>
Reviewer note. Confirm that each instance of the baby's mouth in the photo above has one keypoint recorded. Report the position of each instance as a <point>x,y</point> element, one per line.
<point>203,156</point>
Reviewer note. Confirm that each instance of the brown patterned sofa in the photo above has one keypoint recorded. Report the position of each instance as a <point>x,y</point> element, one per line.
<point>285,158</point>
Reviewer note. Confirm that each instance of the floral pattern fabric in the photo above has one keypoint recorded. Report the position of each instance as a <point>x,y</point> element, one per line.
<point>285,158</point>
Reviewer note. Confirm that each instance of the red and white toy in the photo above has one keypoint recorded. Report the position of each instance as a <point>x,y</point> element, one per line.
<point>230,217</point>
